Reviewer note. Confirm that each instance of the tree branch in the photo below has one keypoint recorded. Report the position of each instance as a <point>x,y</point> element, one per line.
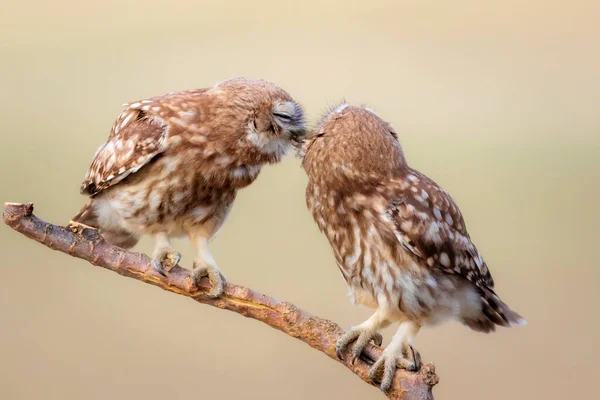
<point>86,243</point>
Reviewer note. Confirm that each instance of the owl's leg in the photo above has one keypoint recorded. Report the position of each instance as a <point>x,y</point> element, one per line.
<point>205,265</point>
<point>164,257</point>
<point>363,334</point>
<point>399,353</point>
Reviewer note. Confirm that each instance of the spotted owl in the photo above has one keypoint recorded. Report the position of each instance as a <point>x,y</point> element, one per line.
<point>172,166</point>
<point>399,239</point>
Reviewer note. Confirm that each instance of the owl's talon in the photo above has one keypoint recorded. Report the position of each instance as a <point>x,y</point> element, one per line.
<point>156,265</point>
<point>384,368</point>
<point>361,337</point>
<point>378,339</point>
<point>215,277</point>
<point>164,260</point>
<point>417,359</point>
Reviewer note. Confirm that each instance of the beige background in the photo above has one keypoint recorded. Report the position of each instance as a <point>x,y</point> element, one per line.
<point>498,103</point>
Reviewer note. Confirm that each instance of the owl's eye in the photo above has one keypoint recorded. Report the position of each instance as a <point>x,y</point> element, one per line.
<point>282,116</point>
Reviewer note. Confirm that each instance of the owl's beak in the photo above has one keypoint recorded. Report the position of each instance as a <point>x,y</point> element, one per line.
<point>298,136</point>
<point>297,139</point>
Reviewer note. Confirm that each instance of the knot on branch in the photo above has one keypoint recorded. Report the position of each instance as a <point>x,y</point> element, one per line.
<point>85,232</point>
<point>430,377</point>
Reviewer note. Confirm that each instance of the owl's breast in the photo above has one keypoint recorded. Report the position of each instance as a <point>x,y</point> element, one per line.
<point>375,266</point>
<point>168,195</point>
<point>363,250</point>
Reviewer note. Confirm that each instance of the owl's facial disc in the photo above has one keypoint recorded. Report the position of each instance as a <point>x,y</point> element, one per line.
<point>289,117</point>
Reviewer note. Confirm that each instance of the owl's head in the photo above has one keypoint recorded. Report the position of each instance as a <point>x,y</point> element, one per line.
<point>352,145</point>
<point>273,121</point>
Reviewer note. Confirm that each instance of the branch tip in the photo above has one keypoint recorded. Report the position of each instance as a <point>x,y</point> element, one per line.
<point>16,211</point>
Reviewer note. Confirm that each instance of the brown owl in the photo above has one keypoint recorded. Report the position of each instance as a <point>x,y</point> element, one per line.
<point>173,164</point>
<point>399,239</point>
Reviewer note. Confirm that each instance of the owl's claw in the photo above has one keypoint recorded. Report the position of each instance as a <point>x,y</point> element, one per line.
<point>360,337</point>
<point>215,277</point>
<point>164,260</point>
<point>158,267</point>
<point>384,368</point>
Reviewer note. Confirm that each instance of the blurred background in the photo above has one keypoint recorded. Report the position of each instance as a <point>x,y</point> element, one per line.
<point>496,101</point>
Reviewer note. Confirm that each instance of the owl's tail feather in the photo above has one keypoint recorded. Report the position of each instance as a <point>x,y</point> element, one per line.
<point>480,325</point>
<point>113,235</point>
<point>494,312</point>
<point>498,311</point>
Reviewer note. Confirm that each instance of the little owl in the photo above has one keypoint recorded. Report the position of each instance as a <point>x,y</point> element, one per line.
<point>399,239</point>
<point>172,166</point>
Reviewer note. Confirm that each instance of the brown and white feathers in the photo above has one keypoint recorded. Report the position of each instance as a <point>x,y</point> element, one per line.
<point>173,163</point>
<point>397,236</point>
<point>240,124</point>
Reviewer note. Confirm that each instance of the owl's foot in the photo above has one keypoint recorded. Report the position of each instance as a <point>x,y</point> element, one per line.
<point>360,337</point>
<point>215,277</point>
<point>165,259</point>
<point>384,368</point>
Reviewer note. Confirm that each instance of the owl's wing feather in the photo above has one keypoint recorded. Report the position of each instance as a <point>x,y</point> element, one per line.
<point>139,134</point>
<point>429,224</point>
<point>130,146</point>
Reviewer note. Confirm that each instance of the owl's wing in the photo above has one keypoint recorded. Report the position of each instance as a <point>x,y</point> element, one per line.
<point>138,135</point>
<point>429,224</point>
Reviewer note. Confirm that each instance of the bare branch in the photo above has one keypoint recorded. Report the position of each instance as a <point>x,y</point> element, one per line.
<point>86,243</point>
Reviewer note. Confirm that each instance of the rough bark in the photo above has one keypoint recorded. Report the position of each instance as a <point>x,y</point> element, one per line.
<point>86,243</point>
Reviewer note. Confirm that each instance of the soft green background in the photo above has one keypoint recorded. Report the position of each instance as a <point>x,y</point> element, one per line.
<point>497,101</point>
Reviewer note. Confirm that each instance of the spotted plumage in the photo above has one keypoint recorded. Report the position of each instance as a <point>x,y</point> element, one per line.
<point>172,165</point>
<point>399,239</point>
<point>430,226</point>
